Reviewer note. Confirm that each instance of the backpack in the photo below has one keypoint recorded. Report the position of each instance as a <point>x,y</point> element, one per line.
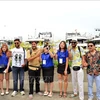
<point>26,65</point>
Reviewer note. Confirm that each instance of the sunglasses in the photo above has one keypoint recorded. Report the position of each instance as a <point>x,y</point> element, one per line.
<point>73,42</point>
<point>16,43</point>
<point>90,45</point>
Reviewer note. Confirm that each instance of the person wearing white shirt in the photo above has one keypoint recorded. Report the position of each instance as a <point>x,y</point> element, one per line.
<point>18,62</point>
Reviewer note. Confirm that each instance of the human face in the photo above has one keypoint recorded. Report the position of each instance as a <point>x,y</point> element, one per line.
<point>73,43</point>
<point>34,45</point>
<point>4,48</point>
<point>91,47</point>
<point>62,45</point>
<point>46,49</point>
<point>17,44</point>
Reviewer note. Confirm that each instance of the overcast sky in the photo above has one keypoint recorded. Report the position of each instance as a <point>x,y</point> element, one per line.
<point>20,18</point>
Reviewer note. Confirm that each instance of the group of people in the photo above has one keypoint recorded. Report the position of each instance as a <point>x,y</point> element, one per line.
<point>43,60</point>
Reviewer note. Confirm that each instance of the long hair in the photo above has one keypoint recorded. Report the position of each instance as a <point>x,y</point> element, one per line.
<point>8,53</point>
<point>65,48</point>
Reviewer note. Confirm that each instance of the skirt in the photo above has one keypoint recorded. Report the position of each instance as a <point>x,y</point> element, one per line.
<point>2,70</point>
<point>61,69</point>
<point>48,74</point>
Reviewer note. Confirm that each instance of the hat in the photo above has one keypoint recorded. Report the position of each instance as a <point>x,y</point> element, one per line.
<point>74,40</point>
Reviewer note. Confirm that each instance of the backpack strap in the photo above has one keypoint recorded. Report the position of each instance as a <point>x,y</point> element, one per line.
<point>24,52</point>
<point>80,51</point>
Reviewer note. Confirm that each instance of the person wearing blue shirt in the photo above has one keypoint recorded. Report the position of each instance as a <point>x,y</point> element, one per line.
<point>4,67</point>
<point>63,68</point>
<point>47,69</point>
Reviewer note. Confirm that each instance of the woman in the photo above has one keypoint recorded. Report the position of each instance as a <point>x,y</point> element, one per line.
<point>4,67</point>
<point>62,57</point>
<point>48,70</point>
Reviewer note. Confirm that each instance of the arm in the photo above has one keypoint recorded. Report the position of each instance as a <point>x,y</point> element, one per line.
<point>51,54</point>
<point>84,63</point>
<point>35,56</point>
<point>8,65</point>
<point>69,53</point>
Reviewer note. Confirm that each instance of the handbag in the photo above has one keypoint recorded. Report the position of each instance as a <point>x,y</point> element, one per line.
<point>76,68</point>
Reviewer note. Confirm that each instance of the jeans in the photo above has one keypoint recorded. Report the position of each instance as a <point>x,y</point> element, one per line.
<point>34,74</point>
<point>18,71</point>
<point>91,79</point>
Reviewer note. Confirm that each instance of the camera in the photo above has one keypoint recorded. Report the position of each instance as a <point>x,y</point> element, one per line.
<point>47,48</point>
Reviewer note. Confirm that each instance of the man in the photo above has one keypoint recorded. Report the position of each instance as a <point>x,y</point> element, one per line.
<point>18,60</point>
<point>34,68</point>
<point>92,63</point>
<point>76,55</point>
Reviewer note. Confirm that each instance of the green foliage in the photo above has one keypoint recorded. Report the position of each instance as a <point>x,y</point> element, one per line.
<point>55,63</point>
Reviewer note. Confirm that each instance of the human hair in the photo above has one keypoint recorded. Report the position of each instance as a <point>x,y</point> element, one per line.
<point>65,48</point>
<point>92,42</point>
<point>16,40</point>
<point>8,53</point>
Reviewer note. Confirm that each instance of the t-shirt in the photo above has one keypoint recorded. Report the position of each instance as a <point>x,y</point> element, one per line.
<point>18,57</point>
<point>35,62</point>
<point>3,59</point>
<point>62,56</point>
<point>76,59</point>
<point>47,61</point>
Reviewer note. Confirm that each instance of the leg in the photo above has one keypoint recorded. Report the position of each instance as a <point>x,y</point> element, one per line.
<point>15,72</point>
<point>7,81</point>
<point>60,78</point>
<point>51,87</point>
<point>74,81</point>
<point>37,78</point>
<point>1,82</point>
<point>80,76</point>
<point>31,81</point>
<point>97,80</point>
<point>21,78</point>
<point>65,84</point>
<point>90,86</point>
<point>46,87</point>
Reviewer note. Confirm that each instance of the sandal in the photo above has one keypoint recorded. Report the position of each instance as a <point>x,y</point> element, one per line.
<point>60,95</point>
<point>45,93</point>
<point>64,95</point>
<point>50,95</point>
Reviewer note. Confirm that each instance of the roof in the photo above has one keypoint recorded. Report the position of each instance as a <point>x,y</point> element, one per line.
<point>77,37</point>
<point>96,39</point>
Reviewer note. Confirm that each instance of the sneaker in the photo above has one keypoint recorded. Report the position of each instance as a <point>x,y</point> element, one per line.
<point>30,96</point>
<point>90,99</point>
<point>73,95</point>
<point>22,93</point>
<point>98,99</point>
<point>39,93</point>
<point>14,93</point>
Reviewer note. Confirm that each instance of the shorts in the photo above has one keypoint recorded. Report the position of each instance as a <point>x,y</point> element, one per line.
<point>48,74</point>
<point>61,69</point>
<point>2,70</point>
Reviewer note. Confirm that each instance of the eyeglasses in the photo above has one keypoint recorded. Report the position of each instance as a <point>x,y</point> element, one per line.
<point>16,43</point>
<point>90,45</point>
<point>73,42</point>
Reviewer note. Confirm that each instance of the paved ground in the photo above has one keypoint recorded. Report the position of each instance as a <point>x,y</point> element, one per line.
<point>38,97</point>
<point>55,94</point>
